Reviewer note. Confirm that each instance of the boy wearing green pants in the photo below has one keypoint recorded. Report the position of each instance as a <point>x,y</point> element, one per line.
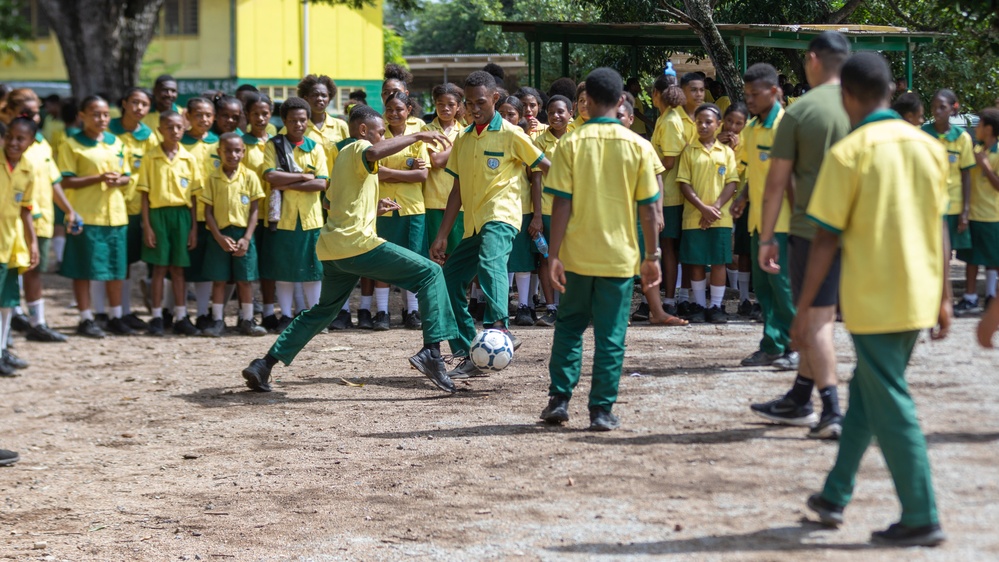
<point>349,249</point>
<point>881,194</point>
<point>601,177</point>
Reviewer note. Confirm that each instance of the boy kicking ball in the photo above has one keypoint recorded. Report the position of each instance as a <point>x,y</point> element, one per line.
<point>350,249</point>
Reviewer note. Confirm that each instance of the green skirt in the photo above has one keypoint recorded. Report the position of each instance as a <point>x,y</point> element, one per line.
<point>522,259</point>
<point>958,241</point>
<point>44,251</point>
<point>673,220</point>
<point>407,231</point>
<point>291,256</point>
<point>984,245</point>
<point>706,247</point>
<point>220,265</point>
<point>10,291</point>
<point>99,253</point>
<point>434,219</point>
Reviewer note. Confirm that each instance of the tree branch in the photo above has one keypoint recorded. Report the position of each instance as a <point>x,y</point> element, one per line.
<point>674,12</point>
<point>846,11</point>
<point>905,18</point>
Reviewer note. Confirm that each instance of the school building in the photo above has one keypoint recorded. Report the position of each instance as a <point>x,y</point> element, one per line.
<point>219,44</point>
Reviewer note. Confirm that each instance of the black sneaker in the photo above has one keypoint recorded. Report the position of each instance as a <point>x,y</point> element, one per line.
<point>641,313</point>
<point>382,322</point>
<point>167,319</point>
<point>6,370</point>
<point>683,310</point>
<point>270,323</point>
<point>716,315</point>
<point>745,308</point>
<point>214,329</point>
<point>830,427</point>
<point>429,362</point>
<point>601,419</point>
<point>787,362</point>
<point>133,321</point>
<point>8,457</point>
<point>548,318</point>
<point>257,376</point>
<point>248,327</point>
<point>20,323</point>
<point>830,514</point>
<point>523,316</point>
<point>557,410</point>
<point>480,311</point>
<point>965,307</point>
<point>364,321</point>
<point>155,327</point>
<point>89,329</point>
<point>513,339</point>
<point>466,369</point>
<point>759,358</point>
<point>13,361</point>
<point>42,333</point>
<point>756,315</point>
<point>903,535</point>
<point>184,327</point>
<point>341,322</point>
<point>412,320</point>
<point>283,324</point>
<point>671,309</point>
<point>203,321</point>
<point>696,314</point>
<point>118,327</point>
<point>102,320</point>
<point>784,411</point>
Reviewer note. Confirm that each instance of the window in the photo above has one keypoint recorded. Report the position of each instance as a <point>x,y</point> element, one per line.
<point>179,17</point>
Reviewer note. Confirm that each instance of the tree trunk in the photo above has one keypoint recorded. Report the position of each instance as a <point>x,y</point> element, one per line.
<point>102,41</point>
<point>702,21</point>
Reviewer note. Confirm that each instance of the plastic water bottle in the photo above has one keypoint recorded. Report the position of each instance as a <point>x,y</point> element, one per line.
<point>542,244</point>
<point>668,71</point>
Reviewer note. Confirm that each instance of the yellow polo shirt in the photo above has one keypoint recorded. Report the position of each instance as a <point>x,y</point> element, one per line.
<point>409,196</point>
<point>574,124</point>
<point>488,166</point>
<point>438,186</point>
<point>350,227</point>
<point>883,190</point>
<point>638,125</point>
<point>16,189</point>
<point>723,103</point>
<point>97,204</point>
<point>984,196</point>
<point>206,151</point>
<point>254,156</point>
<point>547,143</point>
<point>137,144</point>
<point>270,129</point>
<point>152,120</point>
<point>707,171</point>
<point>601,239</point>
<point>334,130</point>
<point>170,183</point>
<point>960,157</point>
<point>46,174</point>
<point>669,138</point>
<point>754,157</point>
<point>300,206</point>
<point>230,197</point>
<point>542,128</point>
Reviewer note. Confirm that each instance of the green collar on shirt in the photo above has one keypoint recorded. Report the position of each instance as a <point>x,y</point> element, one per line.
<point>140,134</point>
<point>249,139</point>
<point>88,142</point>
<point>307,144</point>
<point>995,148</point>
<point>210,138</point>
<point>39,137</point>
<point>771,117</point>
<point>951,135</point>
<point>603,120</point>
<point>878,115</point>
<point>494,125</point>
<point>345,143</point>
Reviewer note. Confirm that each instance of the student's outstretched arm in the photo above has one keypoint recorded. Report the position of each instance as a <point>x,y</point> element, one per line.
<point>388,147</point>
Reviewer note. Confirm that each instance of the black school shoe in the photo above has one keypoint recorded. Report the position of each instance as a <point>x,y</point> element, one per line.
<point>601,419</point>
<point>118,327</point>
<point>20,323</point>
<point>184,327</point>
<point>965,307</point>
<point>248,327</point>
<point>257,376</point>
<point>412,320</point>
<point>683,309</point>
<point>364,321</point>
<point>429,362</point>
<point>382,322</point>
<point>341,322</point>
<point>13,361</point>
<point>8,457</point>
<point>745,308</point>
<point>101,319</point>
<point>557,410</point>
<point>830,514</point>
<point>785,411</point>
<point>6,370</point>
<point>133,321</point>
<point>697,314</point>
<point>903,535</point>
<point>156,327</point>
<point>203,321</point>
<point>524,316</point>
<point>641,313</point>
<point>283,323</point>
<point>214,329</point>
<point>548,318</point>
<point>270,323</point>
<point>89,329</point>
<point>716,315</point>
<point>42,333</point>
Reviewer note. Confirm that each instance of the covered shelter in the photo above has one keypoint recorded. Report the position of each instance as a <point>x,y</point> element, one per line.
<point>682,37</point>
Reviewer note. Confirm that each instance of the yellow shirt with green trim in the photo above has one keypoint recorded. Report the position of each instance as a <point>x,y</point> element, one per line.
<point>574,124</point>
<point>638,125</point>
<point>883,190</point>
<point>723,103</point>
<point>350,227</point>
<point>669,138</point>
<point>542,128</point>
<point>152,120</point>
<point>46,175</point>
<point>170,183</point>
<point>206,151</point>
<point>409,196</point>
<point>707,171</point>
<point>754,155</point>
<point>253,159</point>
<point>270,129</point>
<point>984,196</point>
<point>438,186</point>
<point>97,204</point>
<point>488,166</point>
<point>548,144</point>
<point>17,187</point>
<point>334,130</point>
<point>601,239</point>
<point>137,143</point>
<point>960,157</point>
<point>300,206</point>
<point>230,198</point>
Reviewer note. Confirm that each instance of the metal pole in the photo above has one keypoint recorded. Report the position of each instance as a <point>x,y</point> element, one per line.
<point>537,64</point>
<point>634,60</point>
<point>908,64</point>
<point>565,58</point>
<point>305,37</point>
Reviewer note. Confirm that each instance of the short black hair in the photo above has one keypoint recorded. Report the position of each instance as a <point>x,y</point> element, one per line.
<point>529,92</point>
<point>90,100</point>
<point>24,122</point>
<point>761,72</point>
<point>513,101</point>
<point>481,78</point>
<point>565,87</point>
<point>708,107</point>
<point>989,117</point>
<point>226,99</point>
<point>253,98</point>
<point>629,108</point>
<point>604,86</point>
<point>633,80</point>
<point>309,83</point>
<point>68,110</point>
<point>163,78</point>
<point>229,136</point>
<point>948,96</point>
<point>831,48</point>
<point>448,89</point>
<point>196,100</point>
<point>295,103</point>
<point>246,88</point>
<point>561,98</point>
<point>496,70</point>
<point>908,102</point>
<point>128,93</point>
<point>690,77</point>
<point>361,114</point>
<point>358,95</point>
<point>737,107</point>
<point>867,77</point>
<point>170,113</point>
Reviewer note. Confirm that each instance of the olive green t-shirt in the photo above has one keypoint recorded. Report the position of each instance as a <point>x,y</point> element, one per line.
<point>810,127</point>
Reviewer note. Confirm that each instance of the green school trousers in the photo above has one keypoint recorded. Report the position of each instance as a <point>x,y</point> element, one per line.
<point>773,292</point>
<point>882,408</point>
<point>483,254</point>
<point>606,302</point>
<point>387,263</point>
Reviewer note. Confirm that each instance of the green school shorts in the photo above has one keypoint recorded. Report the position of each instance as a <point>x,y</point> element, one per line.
<point>958,241</point>
<point>706,247</point>
<point>984,245</point>
<point>407,231</point>
<point>220,265</point>
<point>434,219</point>
<point>10,291</point>
<point>673,219</point>
<point>522,259</point>
<point>172,226</point>
<point>291,256</point>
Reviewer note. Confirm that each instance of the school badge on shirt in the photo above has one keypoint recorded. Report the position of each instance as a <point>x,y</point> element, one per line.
<point>721,170</point>
<point>492,163</point>
<point>245,199</point>
<point>18,196</point>
<point>764,156</point>
<point>136,163</point>
<point>184,182</point>
<point>953,158</point>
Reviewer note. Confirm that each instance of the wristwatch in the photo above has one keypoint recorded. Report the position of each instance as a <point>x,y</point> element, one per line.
<point>656,256</point>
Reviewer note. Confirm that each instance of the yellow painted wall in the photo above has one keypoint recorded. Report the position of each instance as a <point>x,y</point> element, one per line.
<point>345,43</point>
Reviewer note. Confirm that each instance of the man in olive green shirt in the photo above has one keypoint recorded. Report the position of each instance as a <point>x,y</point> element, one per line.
<point>809,128</point>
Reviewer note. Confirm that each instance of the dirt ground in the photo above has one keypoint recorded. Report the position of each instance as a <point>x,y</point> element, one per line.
<point>145,449</point>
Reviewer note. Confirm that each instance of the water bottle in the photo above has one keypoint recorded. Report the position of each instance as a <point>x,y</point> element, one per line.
<point>542,244</point>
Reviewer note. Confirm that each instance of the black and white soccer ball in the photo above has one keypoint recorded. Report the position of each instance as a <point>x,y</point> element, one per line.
<point>491,350</point>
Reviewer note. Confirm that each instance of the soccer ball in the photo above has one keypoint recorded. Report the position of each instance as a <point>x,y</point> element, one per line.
<point>491,350</point>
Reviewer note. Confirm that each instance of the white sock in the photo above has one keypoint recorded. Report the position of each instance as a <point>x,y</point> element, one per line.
<point>412,303</point>
<point>699,288</point>
<point>971,297</point>
<point>523,288</point>
<point>158,312</point>
<point>683,295</point>
<point>679,275</point>
<point>717,294</point>
<point>179,313</point>
<point>671,302</point>
<point>98,296</point>
<point>86,314</point>
<point>744,280</point>
<point>202,296</point>
<point>6,315</point>
<point>311,291</point>
<point>346,306</point>
<point>126,297</point>
<point>246,311</point>
<point>36,312</point>
<point>535,281</point>
<point>59,246</point>
<point>991,279</point>
<point>217,311</point>
<point>558,298</point>
<point>114,311</point>
<point>381,299</point>
<point>268,310</point>
<point>365,303</point>
<point>168,300</point>
<point>733,277</point>
<point>285,296</point>
<point>299,297</point>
